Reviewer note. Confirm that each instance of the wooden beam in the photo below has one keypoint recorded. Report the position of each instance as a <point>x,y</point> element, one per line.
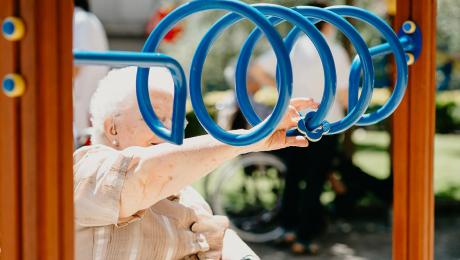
<point>36,140</point>
<point>413,142</point>
<point>66,221</point>
<point>10,219</point>
<point>46,129</point>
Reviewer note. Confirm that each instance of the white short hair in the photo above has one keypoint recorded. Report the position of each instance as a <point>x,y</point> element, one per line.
<point>114,90</point>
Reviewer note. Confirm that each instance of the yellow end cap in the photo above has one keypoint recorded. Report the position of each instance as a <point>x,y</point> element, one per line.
<point>13,29</point>
<point>13,85</point>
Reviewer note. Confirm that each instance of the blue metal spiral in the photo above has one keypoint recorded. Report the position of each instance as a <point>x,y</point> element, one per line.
<point>266,17</point>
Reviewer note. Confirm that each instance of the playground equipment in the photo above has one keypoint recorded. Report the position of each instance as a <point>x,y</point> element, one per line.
<point>405,47</point>
<point>36,184</point>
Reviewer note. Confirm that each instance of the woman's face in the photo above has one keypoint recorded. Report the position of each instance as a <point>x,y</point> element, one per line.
<point>130,127</point>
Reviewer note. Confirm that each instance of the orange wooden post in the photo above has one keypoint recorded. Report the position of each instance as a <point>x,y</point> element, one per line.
<point>36,216</point>
<point>413,142</point>
<point>9,149</point>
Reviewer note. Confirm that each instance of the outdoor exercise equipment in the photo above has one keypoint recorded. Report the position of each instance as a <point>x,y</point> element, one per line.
<point>405,47</point>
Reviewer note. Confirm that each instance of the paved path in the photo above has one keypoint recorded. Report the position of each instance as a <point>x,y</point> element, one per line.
<point>369,240</point>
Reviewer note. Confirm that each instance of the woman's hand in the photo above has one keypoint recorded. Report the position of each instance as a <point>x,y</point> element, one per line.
<point>224,244</point>
<point>213,228</point>
<point>278,139</point>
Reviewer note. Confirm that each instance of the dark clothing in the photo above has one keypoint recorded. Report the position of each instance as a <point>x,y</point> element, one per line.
<point>308,169</point>
<point>359,184</point>
<point>446,69</point>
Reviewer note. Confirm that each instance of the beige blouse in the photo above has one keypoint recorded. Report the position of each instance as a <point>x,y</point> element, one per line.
<point>160,232</point>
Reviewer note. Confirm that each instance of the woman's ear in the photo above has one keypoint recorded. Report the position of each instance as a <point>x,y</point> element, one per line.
<point>110,131</point>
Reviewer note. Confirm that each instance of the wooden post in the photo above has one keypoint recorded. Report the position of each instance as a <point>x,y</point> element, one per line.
<point>10,231</point>
<point>413,142</point>
<point>36,137</point>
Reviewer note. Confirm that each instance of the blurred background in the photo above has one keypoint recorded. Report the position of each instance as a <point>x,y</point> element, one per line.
<point>254,185</point>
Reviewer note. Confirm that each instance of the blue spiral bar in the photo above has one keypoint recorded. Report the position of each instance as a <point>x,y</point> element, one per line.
<point>411,44</point>
<point>400,59</point>
<point>262,130</point>
<point>278,14</point>
<point>265,17</point>
<point>302,26</point>
<point>317,119</point>
<point>355,71</point>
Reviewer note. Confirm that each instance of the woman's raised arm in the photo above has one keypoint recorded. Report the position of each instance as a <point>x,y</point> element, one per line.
<point>163,170</point>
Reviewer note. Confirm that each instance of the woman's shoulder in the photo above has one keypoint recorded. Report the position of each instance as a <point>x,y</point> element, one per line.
<point>98,149</point>
<point>100,160</point>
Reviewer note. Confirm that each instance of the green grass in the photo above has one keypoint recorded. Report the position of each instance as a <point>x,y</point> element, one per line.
<point>447,166</point>
<point>372,156</point>
<point>372,152</point>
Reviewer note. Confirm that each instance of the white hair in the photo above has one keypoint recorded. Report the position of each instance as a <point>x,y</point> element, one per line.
<point>115,89</point>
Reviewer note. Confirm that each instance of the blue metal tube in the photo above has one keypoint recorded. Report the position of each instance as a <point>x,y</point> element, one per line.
<point>278,14</point>
<point>355,73</point>
<point>147,60</point>
<point>397,49</point>
<point>316,14</point>
<point>303,26</point>
<point>317,119</point>
<point>377,51</point>
<point>313,124</point>
<point>123,59</point>
<point>269,125</point>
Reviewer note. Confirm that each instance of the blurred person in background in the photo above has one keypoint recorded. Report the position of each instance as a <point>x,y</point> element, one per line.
<point>446,69</point>
<point>88,34</point>
<point>302,214</point>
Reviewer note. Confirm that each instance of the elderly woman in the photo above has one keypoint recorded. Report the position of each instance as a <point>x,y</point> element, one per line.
<point>132,194</point>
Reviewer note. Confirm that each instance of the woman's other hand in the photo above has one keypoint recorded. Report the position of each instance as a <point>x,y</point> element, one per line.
<point>213,228</point>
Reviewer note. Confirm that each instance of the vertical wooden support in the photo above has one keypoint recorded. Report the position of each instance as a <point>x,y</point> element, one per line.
<point>413,142</point>
<point>36,136</point>
<point>10,231</point>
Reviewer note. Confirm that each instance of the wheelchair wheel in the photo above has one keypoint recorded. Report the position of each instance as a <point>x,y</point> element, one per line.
<point>248,191</point>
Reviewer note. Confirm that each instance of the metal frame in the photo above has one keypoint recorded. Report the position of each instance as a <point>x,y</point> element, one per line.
<point>36,216</point>
<point>265,16</point>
